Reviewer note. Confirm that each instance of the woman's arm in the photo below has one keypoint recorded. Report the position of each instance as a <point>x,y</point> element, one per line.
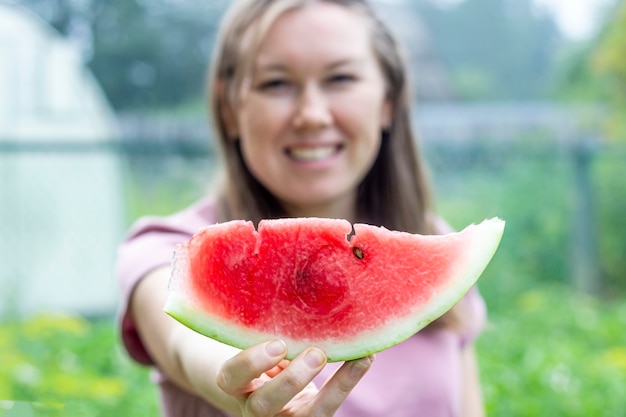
<point>179,352</point>
<point>256,381</point>
<point>472,395</point>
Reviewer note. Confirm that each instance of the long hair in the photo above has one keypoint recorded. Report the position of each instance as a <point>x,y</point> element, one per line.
<point>394,193</point>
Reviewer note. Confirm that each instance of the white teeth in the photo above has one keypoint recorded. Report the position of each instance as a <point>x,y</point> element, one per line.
<point>312,154</point>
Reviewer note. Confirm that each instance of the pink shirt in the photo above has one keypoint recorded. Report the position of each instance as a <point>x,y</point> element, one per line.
<point>419,377</point>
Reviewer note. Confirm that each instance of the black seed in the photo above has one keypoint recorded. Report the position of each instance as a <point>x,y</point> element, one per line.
<point>358,252</point>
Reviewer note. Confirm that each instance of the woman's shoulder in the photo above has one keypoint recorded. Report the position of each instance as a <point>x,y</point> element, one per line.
<point>151,240</point>
<point>186,221</point>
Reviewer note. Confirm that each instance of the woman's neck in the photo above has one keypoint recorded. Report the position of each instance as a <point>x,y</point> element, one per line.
<point>344,208</point>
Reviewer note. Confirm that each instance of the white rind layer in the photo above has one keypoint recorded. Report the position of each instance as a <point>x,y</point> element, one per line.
<point>481,240</point>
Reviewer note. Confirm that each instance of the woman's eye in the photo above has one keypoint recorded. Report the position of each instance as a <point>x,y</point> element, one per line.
<point>273,85</point>
<point>341,78</point>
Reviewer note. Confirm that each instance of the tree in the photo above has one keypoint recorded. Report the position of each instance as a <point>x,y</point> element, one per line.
<point>608,61</point>
<point>495,49</point>
<point>596,71</point>
<point>145,54</point>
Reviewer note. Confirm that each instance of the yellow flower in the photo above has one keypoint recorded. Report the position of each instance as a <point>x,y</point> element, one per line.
<point>46,324</point>
<point>615,357</point>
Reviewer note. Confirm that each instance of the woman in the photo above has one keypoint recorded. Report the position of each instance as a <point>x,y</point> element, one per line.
<point>311,108</point>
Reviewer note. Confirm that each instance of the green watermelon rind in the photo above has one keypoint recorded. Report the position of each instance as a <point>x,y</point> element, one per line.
<point>483,240</point>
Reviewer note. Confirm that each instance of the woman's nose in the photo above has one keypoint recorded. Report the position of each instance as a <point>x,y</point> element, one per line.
<point>312,110</point>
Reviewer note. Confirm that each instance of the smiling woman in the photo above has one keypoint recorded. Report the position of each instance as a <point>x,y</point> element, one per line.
<point>301,134</point>
<point>311,106</point>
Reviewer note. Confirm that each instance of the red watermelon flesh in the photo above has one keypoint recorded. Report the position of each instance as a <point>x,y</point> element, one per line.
<point>303,281</point>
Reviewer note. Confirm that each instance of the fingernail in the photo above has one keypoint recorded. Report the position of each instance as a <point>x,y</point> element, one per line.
<point>275,348</point>
<point>314,358</point>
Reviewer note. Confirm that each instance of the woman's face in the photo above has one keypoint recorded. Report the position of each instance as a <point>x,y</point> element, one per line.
<point>310,122</point>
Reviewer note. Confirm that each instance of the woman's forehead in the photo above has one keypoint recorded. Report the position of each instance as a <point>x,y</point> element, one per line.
<point>323,30</point>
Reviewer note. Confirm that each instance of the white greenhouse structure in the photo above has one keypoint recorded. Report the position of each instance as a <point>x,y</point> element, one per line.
<point>60,196</point>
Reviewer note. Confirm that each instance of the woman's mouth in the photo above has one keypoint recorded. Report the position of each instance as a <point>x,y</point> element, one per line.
<point>313,154</point>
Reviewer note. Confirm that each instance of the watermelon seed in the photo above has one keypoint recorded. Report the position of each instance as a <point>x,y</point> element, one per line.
<point>358,252</point>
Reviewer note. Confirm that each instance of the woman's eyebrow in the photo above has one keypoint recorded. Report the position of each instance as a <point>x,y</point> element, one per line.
<point>281,67</point>
<point>271,67</point>
<point>346,62</point>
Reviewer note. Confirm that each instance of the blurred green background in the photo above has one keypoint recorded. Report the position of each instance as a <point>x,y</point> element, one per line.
<point>516,118</point>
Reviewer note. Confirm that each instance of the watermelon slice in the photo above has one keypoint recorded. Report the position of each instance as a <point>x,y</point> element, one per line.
<point>350,291</point>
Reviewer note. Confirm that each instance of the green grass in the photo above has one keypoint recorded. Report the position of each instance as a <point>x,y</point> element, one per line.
<point>71,366</point>
<point>554,353</point>
<point>551,353</point>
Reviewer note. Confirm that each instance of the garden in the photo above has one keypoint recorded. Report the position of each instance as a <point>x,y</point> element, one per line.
<point>554,344</point>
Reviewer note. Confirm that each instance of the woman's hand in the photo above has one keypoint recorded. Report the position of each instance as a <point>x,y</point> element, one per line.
<point>253,382</point>
<point>265,384</point>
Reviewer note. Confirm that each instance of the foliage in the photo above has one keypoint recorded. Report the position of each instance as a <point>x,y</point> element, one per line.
<point>609,63</point>
<point>548,352</point>
<point>554,353</point>
<point>162,60</point>
<point>144,54</point>
<point>610,183</point>
<point>495,49</point>
<point>596,71</point>
<point>531,184</point>
<point>71,366</point>
<point>609,58</point>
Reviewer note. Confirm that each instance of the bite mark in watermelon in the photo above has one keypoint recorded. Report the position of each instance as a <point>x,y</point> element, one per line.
<point>351,290</point>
